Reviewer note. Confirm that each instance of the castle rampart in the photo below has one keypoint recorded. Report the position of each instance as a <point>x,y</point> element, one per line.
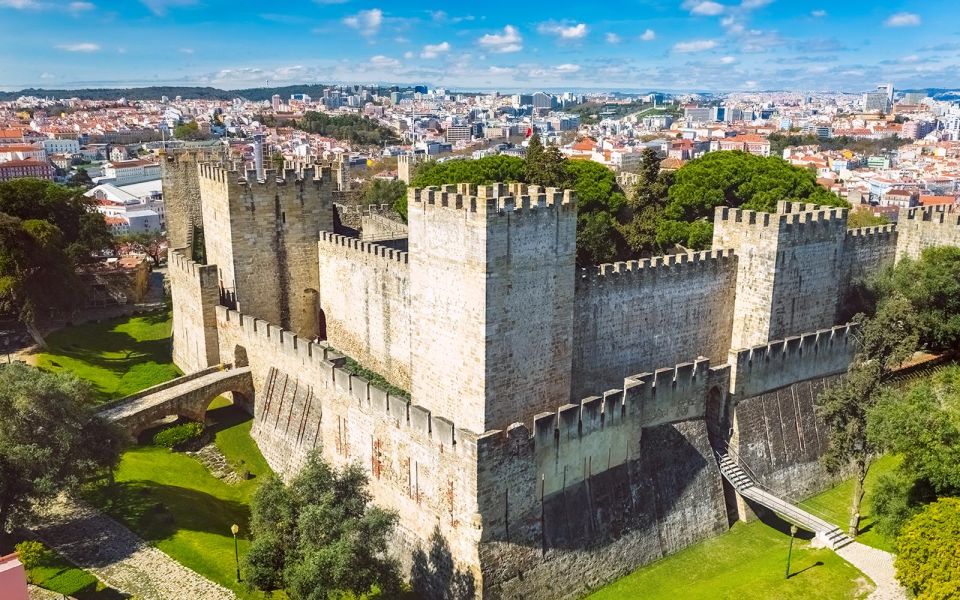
<point>637,315</point>
<point>195,295</point>
<point>921,228</point>
<point>181,194</point>
<point>367,315</point>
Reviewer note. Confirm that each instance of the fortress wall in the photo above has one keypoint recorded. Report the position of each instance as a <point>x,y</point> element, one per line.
<point>636,315</point>
<point>195,295</point>
<point>867,251</point>
<point>920,228</point>
<point>181,194</point>
<point>367,312</point>
<point>420,465</point>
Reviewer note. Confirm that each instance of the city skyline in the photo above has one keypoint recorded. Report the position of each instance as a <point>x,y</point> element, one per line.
<point>687,45</point>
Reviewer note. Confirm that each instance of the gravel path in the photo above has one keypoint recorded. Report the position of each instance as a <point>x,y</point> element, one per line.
<point>119,558</point>
<point>878,566</point>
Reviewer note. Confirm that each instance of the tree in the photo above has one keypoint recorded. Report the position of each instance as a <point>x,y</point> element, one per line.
<point>381,191</point>
<point>858,218</point>
<point>928,552</point>
<point>320,537</point>
<point>550,170</point>
<point>922,426</point>
<point>82,177</point>
<point>534,157</point>
<point>50,438</point>
<point>885,341</point>
<point>151,243</point>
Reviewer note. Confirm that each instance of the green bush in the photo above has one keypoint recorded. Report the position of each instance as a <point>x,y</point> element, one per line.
<point>32,554</point>
<point>176,436</point>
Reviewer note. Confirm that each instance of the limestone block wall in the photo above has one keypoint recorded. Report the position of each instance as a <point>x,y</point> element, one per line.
<point>181,194</point>
<point>634,316</point>
<point>492,282</point>
<point>195,294</point>
<point>378,227</point>
<point>421,465</point>
<point>920,228</point>
<point>263,238</point>
<point>366,304</point>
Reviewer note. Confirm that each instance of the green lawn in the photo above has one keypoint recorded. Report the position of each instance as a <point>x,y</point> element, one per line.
<point>119,356</point>
<point>749,560</point>
<point>57,575</point>
<point>171,500</point>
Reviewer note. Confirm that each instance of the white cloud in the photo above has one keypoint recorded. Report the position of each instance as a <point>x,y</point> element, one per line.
<point>817,14</point>
<point>732,25</point>
<point>649,35</point>
<point>501,70</point>
<point>160,7</point>
<point>435,50</point>
<point>752,4</point>
<point>408,55</point>
<point>47,76</point>
<point>694,46</point>
<point>80,47</point>
<point>384,62</point>
<point>902,19</point>
<point>750,84</point>
<point>566,68</point>
<point>704,8</point>
<point>613,38</point>
<point>19,4</point>
<point>367,22</point>
<point>566,32</point>
<point>77,7</point>
<point>728,60</point>
<point>503,43</point>
<point>186,50</point>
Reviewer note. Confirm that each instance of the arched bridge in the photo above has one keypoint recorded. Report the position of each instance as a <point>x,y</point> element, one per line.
<point>187,396</point>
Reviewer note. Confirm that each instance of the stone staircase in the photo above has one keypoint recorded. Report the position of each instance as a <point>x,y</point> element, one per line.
<point>829,534</point>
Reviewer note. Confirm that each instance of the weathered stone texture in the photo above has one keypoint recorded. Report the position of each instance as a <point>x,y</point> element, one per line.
<point>637,316</point>
<point>195,294</point>
<point>181,194</point>
<point>920,228</point>
<point>492,284</point>
<point>367,313</point>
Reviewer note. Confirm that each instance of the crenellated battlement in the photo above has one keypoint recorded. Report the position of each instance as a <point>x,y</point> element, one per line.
<point>363,246</point>
<point>878,233</point>
<point>784,221</point>
<point>319,364</point>
<point>494,200</point>
<point>179,261</point>
<point>947,215</point>
<point>365,211</point>
<point>671,265</point>
<point>233,177</point>
<point>780,363</point>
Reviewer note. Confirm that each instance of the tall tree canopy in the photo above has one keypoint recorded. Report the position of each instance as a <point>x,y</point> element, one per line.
<point>928,552</point>
<point>320,536</point>
<point>50,438</point>
<point>46,230</point>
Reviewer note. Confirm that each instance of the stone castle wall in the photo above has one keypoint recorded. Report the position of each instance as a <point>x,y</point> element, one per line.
<point>420,465</point>
<point>639,315</point>
<point>367,314</point>
<point>181,195</point>
<point>263,238</point>
<point>920,228</point>
<point>492,285</point>
<point>866,251</point>
<point>195,294</point>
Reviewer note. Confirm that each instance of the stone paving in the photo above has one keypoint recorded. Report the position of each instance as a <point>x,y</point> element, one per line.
<point>213,459</point>
<point>878,566</point>
<point>119,558</point>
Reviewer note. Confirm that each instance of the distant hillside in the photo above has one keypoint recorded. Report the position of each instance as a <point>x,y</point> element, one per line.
<point>154,93</point>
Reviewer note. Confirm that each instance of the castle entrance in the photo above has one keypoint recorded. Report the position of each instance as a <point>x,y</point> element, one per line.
<point>718,424</point>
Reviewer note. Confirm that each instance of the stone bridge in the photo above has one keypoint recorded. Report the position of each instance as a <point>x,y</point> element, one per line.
<point>188,396</point>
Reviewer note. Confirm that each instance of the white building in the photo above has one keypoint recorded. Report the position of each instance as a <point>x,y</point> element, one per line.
<point>54,146</point>
<point>130,171</point>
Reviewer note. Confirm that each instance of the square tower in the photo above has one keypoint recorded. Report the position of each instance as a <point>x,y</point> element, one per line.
<point>789,269</point>
<point>492,280</point>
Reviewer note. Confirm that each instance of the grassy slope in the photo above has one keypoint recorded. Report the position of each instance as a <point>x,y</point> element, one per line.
<point>171,500</point>
<point>749,560</point>
<point>119,357</point>
<point>57,575</point>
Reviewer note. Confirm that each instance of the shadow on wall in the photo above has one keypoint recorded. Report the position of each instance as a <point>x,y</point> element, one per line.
<point>435,577</point>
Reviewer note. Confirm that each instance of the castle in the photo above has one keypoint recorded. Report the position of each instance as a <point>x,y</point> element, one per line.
<point>560,423</point>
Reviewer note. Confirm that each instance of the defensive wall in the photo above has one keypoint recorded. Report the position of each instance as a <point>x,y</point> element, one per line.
<point>920,228</point>
<point>639,315</point>
<point>195,293</point>
<point>181,194</point>
<point>421,465</point>
<point>262,235</point>
<point>866,251</point>
<point>367,314</point>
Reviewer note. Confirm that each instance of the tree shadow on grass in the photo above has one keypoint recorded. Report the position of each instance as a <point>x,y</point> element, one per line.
<point>807,568</point>
<point>156,511</point>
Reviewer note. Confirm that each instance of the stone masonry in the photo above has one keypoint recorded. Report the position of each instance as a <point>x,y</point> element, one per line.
<point>562,423</point>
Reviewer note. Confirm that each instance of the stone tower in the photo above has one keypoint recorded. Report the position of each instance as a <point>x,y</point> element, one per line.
<point>181,194</point>
<point>406,165</point>
<point>263,238</point>
<point>789,270</point>
<point>492,278</point>
<point>341,167</point>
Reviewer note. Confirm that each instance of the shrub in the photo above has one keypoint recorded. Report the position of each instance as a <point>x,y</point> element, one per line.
<point>178,435</point>
<point>32,554</point>
<point>928,559</point>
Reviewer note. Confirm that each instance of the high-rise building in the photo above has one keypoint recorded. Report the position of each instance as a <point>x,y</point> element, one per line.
<point>276,102</point>
<point>887,89</point>
<point>876,102</point>
<point>543,100</point>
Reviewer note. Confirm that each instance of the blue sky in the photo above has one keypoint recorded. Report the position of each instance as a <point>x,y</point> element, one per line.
<point>715,45</point>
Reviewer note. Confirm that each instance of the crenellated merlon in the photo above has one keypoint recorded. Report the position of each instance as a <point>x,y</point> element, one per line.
<point>493,200</point>
<point>180,262</point>
<point>649,269</point>
<point>303,175</point>
<point>770,366</point>
<point>877,233</point>
<point>366,247</point>
<point>947,215</point>
<point>792,217</point>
